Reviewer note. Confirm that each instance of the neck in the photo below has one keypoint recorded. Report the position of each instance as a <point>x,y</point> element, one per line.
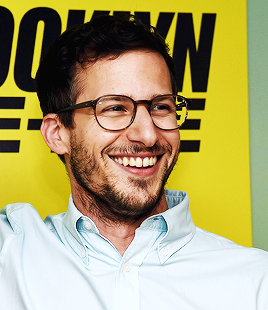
<point>120,232</point>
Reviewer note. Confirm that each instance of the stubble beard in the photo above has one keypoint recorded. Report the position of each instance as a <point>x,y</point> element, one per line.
<point>104,199</point>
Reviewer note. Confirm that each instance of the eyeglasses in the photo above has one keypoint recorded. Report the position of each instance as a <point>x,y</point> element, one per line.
<point>117,112</point>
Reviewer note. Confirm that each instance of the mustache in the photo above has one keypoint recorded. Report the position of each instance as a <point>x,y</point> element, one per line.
<point>136,148</point>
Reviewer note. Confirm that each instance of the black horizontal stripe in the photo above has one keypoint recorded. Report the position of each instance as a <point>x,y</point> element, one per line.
<point>34,124</point>
<point>9,123</point>
<point>190,146</point>
<point>9,146</point>
<point>12,102</point>
<point>191,124</point>
<point>197,104</point>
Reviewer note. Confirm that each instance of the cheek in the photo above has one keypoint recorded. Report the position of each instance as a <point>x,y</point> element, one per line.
<point>174,140</point>
<point>96,141</point>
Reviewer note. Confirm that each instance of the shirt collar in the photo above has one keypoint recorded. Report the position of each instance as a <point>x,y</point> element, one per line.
<point>176,222</point>
<point>71,233</point>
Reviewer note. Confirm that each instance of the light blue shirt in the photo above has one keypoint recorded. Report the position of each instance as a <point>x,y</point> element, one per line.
<point>65,264</point>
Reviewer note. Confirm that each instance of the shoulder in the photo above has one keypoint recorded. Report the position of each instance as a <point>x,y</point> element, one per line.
<point>226,249</point>
<point>15,217</point>
<point>209,239</point>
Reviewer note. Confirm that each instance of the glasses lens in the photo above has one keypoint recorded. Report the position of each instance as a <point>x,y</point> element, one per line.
<point>168,112</point>
<point>114,112</point>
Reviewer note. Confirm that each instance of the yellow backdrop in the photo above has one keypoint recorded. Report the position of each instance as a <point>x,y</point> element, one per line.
<point>213,166</point>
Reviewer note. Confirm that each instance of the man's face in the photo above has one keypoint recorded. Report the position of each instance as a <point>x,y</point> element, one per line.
<point>124,171</point>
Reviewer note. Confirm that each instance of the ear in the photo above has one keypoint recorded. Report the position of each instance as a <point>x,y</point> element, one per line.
<point>55,134</point>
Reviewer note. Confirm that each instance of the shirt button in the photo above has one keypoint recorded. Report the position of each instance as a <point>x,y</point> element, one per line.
<point>164,252</point>
<point>87,225</point>
<point>83,253</point>
<point>127,267</point>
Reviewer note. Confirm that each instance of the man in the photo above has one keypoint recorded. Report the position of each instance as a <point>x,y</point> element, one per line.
<point>108,93</point>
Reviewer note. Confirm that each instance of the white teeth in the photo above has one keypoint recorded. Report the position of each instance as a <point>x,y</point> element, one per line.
<point>120,161</point>
<point>125,161</point>
<point>136,162</point>
<point>132,162</point>
<point>146,162</point>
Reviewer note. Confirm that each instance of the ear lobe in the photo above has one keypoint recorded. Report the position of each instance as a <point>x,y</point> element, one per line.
<point>55,134</point>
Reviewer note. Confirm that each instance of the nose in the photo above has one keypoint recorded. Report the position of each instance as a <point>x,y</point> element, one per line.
<point>143,130</point>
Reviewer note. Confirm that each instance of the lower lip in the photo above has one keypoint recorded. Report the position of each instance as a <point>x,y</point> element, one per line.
<point>143,171</point>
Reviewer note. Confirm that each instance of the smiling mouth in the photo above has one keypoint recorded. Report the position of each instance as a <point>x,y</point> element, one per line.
<point>136,161</point>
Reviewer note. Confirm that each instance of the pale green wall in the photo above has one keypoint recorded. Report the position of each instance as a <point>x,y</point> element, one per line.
<point>258,117</point>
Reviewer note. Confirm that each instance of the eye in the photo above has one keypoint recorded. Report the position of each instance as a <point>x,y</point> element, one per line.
<point>113,110</point>
<point>162,109</point>
<point>114,106</point>
<point>117,108</point>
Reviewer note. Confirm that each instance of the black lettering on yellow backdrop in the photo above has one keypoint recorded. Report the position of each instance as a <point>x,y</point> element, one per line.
<point>6,37</point>
<point>199,58</point>
<point>26,42</point>
<point>184,42</point>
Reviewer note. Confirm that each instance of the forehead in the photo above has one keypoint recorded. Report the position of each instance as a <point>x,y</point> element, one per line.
<point>132,73</point>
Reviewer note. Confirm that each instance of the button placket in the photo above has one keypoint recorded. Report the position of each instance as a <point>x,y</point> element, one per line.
<point>127,285</point>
